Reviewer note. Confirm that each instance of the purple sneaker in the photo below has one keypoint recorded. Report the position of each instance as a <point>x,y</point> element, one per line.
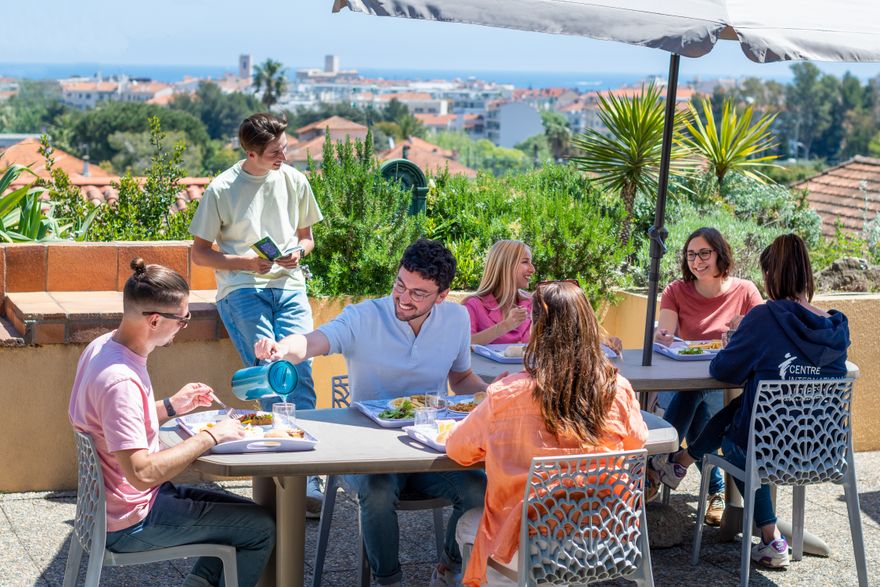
<point>773,555</point>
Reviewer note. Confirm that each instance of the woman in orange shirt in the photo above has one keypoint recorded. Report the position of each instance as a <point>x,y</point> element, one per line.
<point>569,400</point>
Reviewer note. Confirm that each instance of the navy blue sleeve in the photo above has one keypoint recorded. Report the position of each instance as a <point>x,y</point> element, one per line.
<point>739,359</point>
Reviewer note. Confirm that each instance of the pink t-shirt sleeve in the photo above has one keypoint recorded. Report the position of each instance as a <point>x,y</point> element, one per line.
<point>473,307</point>
<point>753,297</point>
<point>122,417</point>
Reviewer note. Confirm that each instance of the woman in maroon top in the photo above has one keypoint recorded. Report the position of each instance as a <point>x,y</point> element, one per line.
<point>704,304</point>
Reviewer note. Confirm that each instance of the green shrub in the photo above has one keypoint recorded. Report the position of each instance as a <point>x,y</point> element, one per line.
<point>571,227</point>
<point>366,226</point>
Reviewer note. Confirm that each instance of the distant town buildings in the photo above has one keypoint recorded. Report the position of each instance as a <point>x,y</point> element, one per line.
<point>86,93</point>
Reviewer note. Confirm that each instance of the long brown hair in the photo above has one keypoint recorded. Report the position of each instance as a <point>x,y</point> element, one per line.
<point>575,384</point>
<point>788,273</point>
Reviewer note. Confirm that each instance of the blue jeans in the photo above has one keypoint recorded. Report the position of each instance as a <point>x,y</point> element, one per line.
<point>252,314</point>
<point>689,412</point>
<point>764,513</point>
<point>187,515</point>
<point>378,496</point>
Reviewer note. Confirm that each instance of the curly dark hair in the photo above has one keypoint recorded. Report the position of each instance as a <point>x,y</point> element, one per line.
<point>431,260</point>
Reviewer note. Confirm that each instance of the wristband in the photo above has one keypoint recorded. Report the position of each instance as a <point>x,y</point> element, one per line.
<point>169,409</point>
<point>214,438</point>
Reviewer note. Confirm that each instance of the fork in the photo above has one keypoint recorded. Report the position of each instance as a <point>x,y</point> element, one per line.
<point>231,413</point>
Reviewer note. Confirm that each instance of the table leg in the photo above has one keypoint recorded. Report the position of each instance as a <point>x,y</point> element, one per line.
<point>264,494</point>
<point>290,495</point>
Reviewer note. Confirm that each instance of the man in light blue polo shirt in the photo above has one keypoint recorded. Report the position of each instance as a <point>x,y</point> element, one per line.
<point>410,341</point>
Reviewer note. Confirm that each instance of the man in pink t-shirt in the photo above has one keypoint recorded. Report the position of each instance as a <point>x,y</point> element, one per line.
<point>112,401</point>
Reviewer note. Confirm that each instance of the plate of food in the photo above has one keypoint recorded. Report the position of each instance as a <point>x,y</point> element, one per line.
<point>431,436</point>
<point>689,350</point>
<point>260,436</point>
<point>501,353</point>
<point>383,413</point>
<point>464,405</point>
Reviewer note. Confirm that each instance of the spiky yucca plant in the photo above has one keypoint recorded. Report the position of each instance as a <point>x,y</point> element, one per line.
<point>732,143</point>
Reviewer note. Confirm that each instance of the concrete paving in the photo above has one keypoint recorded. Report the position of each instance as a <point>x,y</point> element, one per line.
<point>35,530</point>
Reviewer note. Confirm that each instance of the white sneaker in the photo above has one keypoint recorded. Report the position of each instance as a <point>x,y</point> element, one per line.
<point>442,579</point>
<point>669,473</point>
<point>314,497</point>
<point>773,555</point>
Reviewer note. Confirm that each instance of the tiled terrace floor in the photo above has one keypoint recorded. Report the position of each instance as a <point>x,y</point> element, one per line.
<point>35,528</point>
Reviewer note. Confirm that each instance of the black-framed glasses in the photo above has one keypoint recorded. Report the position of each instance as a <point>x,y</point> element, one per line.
<point>182,320</point>
<point>703,254</point>
<point>417,295</point>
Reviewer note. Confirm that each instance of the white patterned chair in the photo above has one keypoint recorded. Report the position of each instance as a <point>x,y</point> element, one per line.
<point>583,521</point>
<point>800,434</point>
<point>90,530</point>
<point>340,398</point>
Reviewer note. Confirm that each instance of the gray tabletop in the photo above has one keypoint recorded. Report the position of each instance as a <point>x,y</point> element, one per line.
<point>349,442</point>
<point>664,373</point>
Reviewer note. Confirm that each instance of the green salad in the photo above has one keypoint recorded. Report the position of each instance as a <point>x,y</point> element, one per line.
<point>691,351</point>
<point>405,411</point>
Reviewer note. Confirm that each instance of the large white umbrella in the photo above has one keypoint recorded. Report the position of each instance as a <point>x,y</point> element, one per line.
<point>767,30</point>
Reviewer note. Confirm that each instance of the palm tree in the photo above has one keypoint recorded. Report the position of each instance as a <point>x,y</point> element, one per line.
<point>732,145</point>
<point>626,157</point>
<point>269,77</point>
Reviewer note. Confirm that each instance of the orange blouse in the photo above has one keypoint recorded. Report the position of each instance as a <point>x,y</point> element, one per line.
<point>507,431</point>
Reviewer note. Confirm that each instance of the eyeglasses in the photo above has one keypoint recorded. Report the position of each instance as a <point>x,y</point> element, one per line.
<point>417,295</point>
<point>182,320</point>
<point>703,254</point>
<point>549,281</point>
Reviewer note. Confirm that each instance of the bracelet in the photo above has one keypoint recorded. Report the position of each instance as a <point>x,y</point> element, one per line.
<point>214,438</point>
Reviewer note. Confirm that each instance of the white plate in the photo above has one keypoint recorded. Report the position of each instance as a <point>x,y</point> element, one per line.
<point>426,435</point>
<point>190,423</point>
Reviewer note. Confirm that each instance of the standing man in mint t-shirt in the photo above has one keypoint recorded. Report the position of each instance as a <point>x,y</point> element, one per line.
<point>257,298</point>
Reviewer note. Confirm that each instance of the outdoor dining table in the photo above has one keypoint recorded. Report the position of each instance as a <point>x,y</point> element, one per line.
<point>348,442</point>
<point>666,374</point>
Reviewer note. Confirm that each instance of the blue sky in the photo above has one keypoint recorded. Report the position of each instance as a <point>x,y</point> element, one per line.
<point>300,32</point>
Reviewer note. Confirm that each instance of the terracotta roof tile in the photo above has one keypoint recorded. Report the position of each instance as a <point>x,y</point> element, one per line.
<point>27,152</point>
<point>836,194</point>
<point>333,123</point>
<point>428,156</point>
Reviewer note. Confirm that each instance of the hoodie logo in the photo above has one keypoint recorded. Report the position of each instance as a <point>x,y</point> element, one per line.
<point>783,366</point>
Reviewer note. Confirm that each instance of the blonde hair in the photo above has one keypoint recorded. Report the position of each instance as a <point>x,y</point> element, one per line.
<point>499,274</point>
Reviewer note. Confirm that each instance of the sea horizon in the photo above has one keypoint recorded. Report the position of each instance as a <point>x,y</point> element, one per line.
<point>520,79</point>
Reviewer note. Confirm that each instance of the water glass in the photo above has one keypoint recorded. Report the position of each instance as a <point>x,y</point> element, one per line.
<point>426,417</point>
<point>284,416</point>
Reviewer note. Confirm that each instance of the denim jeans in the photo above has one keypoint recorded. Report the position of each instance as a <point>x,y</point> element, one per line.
<point>689,412</point>
<point>251,314</point>
<point>378,496</point>
<point>712,436</point>
<point>188,515</point>
<point>764,513</point>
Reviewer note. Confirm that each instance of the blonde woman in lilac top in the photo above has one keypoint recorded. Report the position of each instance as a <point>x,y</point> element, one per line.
<point>501,307</point>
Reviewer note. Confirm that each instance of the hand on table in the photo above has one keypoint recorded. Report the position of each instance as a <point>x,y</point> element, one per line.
<point>735,322</point>
<point>227,429</point>
<point>664,337</point>
<point>192,396</point>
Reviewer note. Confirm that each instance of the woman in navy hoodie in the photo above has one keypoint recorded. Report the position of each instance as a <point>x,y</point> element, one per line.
<point>786,338</point>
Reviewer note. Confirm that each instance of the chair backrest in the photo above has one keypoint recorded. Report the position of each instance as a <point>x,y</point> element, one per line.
<point>800,431</point>
<point>581,518</point>
<point>90,524</point>
<point>340,397</point>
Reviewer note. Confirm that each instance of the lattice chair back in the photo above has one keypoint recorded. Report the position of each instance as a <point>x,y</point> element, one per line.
<point>581,519</point>
<point>801,431</point>
<point>91,514</point>
<point>339,395</point>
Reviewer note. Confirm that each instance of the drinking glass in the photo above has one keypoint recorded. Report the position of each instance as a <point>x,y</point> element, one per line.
<point>426,417</point>
<point>284,416</point>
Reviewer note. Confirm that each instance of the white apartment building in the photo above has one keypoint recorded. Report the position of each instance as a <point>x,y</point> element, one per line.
<point>510,123</point>
<point>85,93</point>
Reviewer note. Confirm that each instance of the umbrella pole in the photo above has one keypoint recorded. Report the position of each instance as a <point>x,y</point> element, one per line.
<point>658,233</point>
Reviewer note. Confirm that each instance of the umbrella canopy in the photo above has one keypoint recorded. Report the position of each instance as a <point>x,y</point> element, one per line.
<point>778,30</point>
<point>767,31</point>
